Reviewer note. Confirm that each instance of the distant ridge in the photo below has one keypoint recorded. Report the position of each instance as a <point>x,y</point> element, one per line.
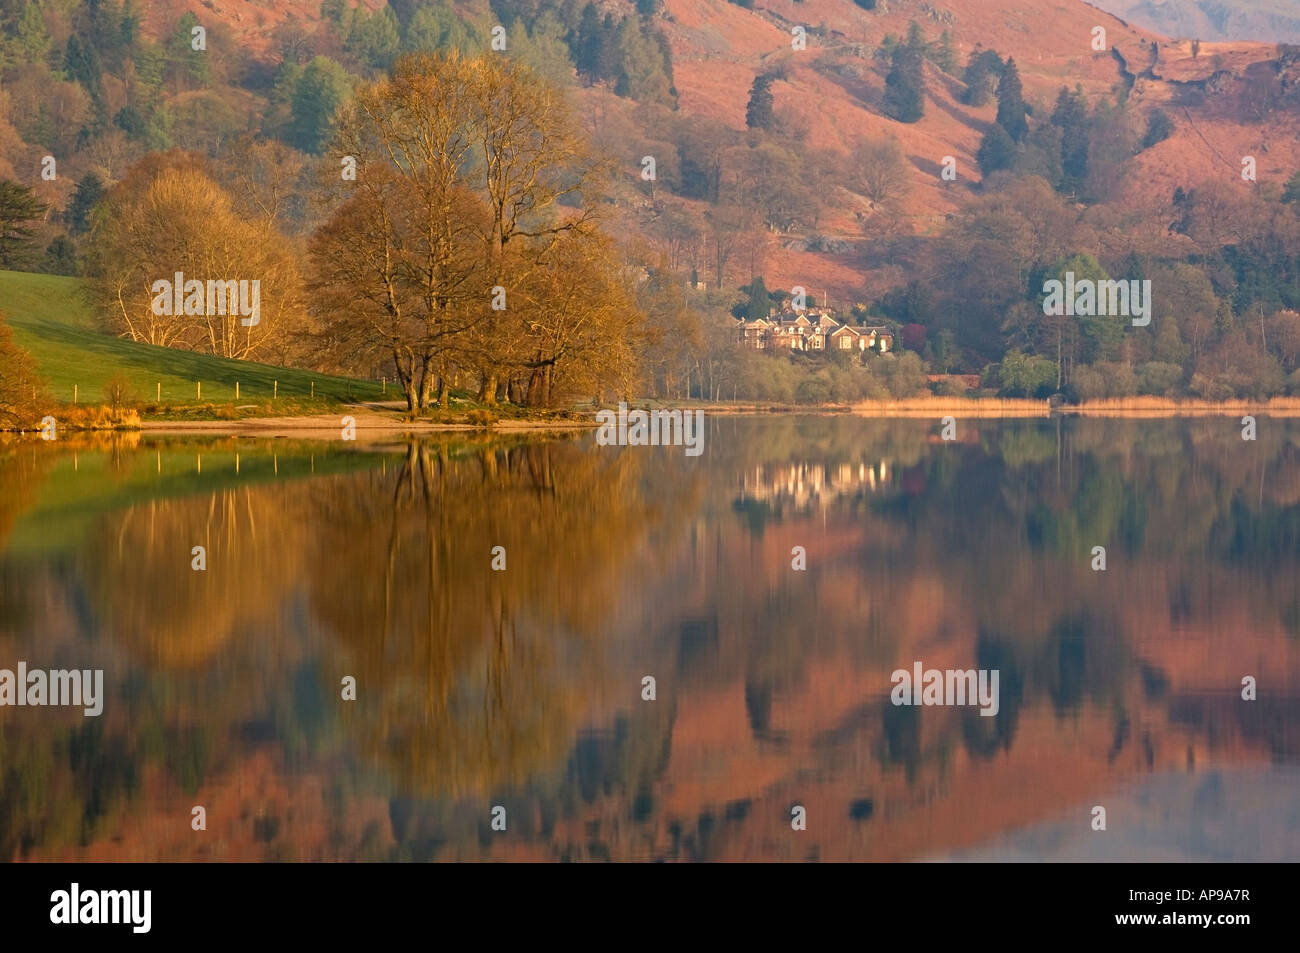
<point>1264,21</point>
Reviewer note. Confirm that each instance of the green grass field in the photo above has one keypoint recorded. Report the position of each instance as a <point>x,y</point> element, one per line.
<point>52,320</point>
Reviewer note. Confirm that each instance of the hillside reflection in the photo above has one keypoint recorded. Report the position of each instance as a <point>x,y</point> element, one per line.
<point>521,686</point>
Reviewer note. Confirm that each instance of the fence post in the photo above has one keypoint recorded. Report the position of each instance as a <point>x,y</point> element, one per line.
<point>236,390</point>
<point>159,399</point>
<point>313,389</point>
<point>74,393</point>
<point>275,393</point>
<point>198,390</point>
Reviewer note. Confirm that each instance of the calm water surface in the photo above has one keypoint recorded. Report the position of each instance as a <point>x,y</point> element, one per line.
<point>523,688</point>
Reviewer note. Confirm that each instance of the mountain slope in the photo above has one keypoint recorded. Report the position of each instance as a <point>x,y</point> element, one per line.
<point>1265,21</point>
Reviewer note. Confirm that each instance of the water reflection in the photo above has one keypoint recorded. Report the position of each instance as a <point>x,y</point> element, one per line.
<point>521,686</point>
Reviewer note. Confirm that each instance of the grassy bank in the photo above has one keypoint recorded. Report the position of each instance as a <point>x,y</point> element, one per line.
<point>51,319</point>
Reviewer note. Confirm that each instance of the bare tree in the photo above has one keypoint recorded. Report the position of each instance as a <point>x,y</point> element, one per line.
<point>880,169</point>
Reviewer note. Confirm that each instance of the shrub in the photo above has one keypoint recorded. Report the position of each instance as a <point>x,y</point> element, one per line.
<point>1159,128</point>
<point>1025,375</point>
<point>814,390</point>
<point>1119,378</point>
<point>1159,379</point>
<point>23,393</point>
<point>120,394</point>
<point>1086,384</point>
<point>952,387</point>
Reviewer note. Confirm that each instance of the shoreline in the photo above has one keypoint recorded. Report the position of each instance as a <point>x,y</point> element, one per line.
<point>374,423</point>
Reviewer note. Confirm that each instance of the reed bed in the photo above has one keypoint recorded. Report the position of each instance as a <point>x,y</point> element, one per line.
<point>1168,407</point>
<point>956,406</point>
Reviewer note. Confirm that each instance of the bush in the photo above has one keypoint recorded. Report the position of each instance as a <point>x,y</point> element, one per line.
<point>1211,388</point>
<point>1159,128</point>
<point>1025,375</point>
<point>814,390</point>
<point>1086,384</point>
<point>120,394</point>
<point>23,393</point>
<point>96,417</point>
<point>1159,379</point>
<point>953,387</point>
<point>1119,378</point>
<point>904,374</point>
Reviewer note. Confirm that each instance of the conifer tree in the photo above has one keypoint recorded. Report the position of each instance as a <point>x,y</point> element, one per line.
<point>905,84</point>
<point>1011,102</point>
<point>758,113</point>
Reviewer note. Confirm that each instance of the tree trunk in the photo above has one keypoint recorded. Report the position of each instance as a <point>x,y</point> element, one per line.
<point>427,378</point>
<point>405,380</point>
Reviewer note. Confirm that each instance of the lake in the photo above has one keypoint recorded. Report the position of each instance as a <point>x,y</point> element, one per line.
<point>494,606</point>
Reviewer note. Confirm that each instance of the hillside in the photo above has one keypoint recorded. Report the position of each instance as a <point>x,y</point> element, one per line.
<point>831,91</point>
<point>1265,21</point>
<point>775,160</point>
<point>719,47</point>
<point>50,319</point>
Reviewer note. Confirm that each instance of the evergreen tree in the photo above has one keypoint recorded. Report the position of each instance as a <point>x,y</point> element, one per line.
<point>19,209</point>
<point>185,62</point>
<point>641,73</point>
<point>60,257</point>
<point>584,42</point>
<point>667,53</point>
<point>758,113</point>
<point>905,84</point>
<point>374,39</point>
<point>319,92</point>
<point>997,150</point>
<point>436,26</point>
<point>87,193</point>
<point>542,47</point>
<point>915,38</point>
<point>1011,102</point>
<point>609,54</point>
<point>1291,194</point>
<point>81,63</point>
<point>981,69</point>
<point>942,54</point>
<point>32,39</point>
<point>129,27</point>
<point>1071,117</point>
<point>759,303</point>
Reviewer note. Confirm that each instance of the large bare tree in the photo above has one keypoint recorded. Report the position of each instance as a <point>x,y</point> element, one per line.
<point>468,172</point>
